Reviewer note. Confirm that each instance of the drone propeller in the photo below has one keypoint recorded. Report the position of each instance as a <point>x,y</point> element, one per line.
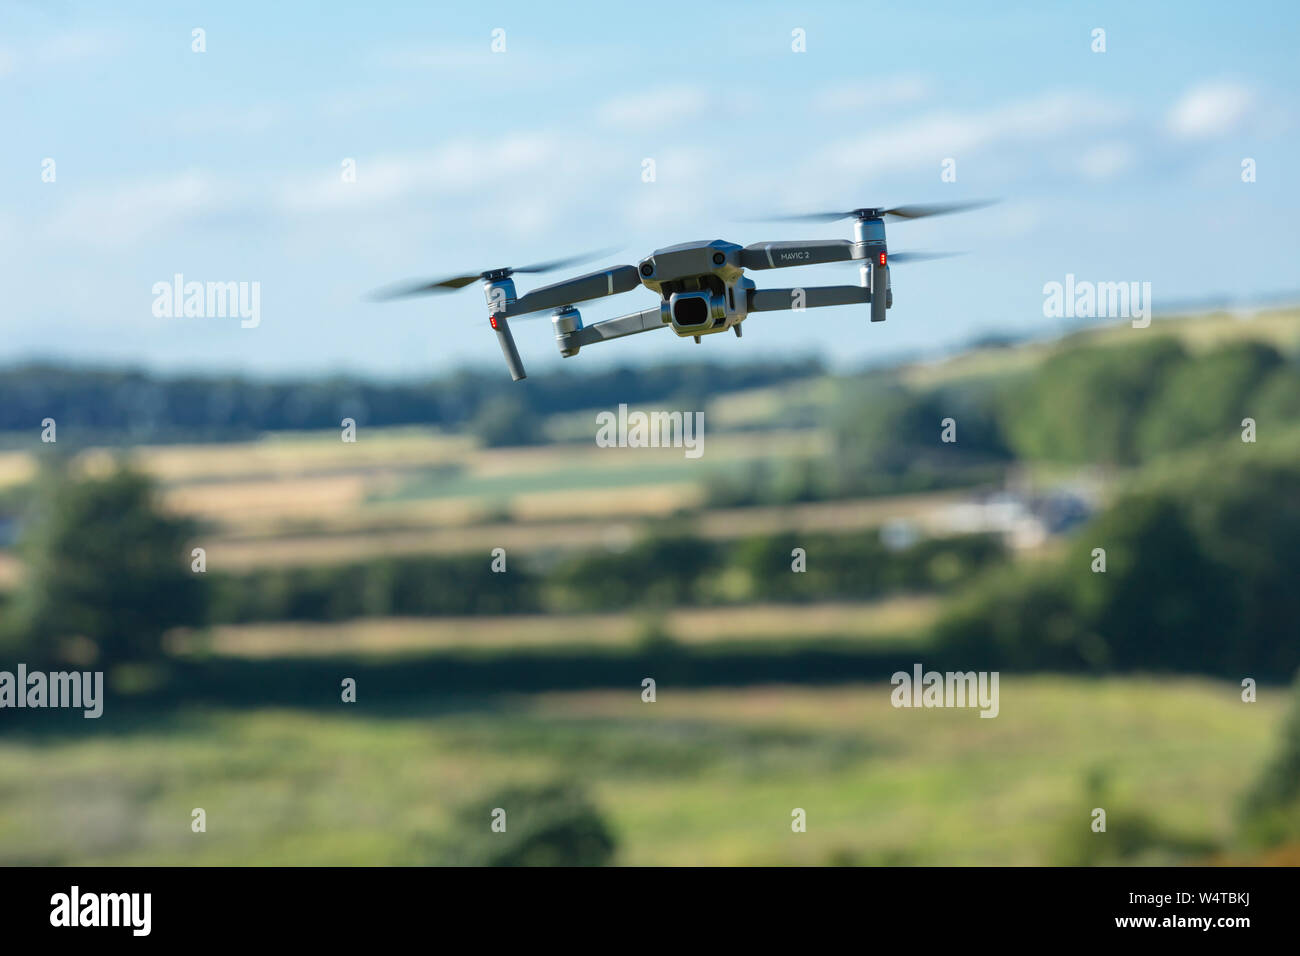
<point>404,289</point>
<point>913,211</point>
<point>895,258</point>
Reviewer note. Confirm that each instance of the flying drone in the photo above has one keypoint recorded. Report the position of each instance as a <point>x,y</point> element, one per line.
<point>702,286</point>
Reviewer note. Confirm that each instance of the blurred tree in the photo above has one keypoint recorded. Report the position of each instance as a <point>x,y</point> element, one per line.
<point>1245,510</point>
<point>1019,618</point>
<point>545,825</point>
<point>1164,600</point>
<point>415,585</point>
<point>1200,577</point>
<point>1270,811</point>
<point>1084,404</point>
<point>886,438</point>
<point>507,420</point>
<point>104,565</point>
<point>1276,403</point>
<point>1131,836</point>
<point>881,428</point>
<point>663,570</point>
<point>1205,398</point>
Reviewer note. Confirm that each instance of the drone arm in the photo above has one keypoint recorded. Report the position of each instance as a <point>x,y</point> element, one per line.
<point>594,285</point>
<point>775,300</point>
<point>616,328</point>
<point>778,255</point>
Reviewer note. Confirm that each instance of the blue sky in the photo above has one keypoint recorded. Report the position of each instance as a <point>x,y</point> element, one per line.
<point>225,165</point>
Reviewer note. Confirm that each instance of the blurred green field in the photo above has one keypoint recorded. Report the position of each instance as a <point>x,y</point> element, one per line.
<point>463,701</point>
<point>698,777</point>
<point>896,621</point>
<point>1200,332</point>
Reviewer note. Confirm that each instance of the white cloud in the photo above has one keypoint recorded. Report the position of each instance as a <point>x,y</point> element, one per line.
<point>223,119</point>
<point>520,184</point>
<point>477,66</point>
<point>60,50</point>
<point>75,48</point>
<point>633,109</point>
<point>445,59</point>
<point>1211,109</point>
<point>868,94</point>
<point>454,169</point>
<point>926,141</point>
<point>8,229</point>
<point>1013,220</point>
<point>136,210</point>
<point>1105,160</point>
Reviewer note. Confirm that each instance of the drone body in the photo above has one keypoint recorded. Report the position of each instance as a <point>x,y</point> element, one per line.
<point>702,286</point>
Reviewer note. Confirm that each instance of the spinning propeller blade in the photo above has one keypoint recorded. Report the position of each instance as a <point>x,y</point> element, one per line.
<point>401,290</point>
<point>905,257</point>
<point>913,211</point>
<point>922,210</point>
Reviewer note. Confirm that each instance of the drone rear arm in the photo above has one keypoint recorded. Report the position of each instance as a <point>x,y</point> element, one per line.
<point>616,328</point>
<point>775,300</point>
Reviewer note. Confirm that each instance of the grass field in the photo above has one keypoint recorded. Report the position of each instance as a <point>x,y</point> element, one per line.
<point>594,520</point>
<point>894,619</point>
<point>410,479</point>
<point>701,776</point>
<point>698,777</point>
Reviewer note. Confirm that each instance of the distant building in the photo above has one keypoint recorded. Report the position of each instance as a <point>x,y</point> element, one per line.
<point>899,534</point>
<point>1024,520</point>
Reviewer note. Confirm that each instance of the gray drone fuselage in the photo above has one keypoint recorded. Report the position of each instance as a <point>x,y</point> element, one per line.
<point>702,289</point>
<point>701,285</point>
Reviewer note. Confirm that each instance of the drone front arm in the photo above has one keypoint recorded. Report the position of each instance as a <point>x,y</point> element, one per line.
<point>594,285</point>
<point>779,255</point>
<point>775,300</point>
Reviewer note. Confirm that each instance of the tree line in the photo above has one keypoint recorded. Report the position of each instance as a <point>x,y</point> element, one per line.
<point>142,406</point>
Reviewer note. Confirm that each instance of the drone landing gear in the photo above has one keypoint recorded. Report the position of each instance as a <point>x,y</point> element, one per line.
<point>508,349</point>
<point>697,340</point>
<point>879,282</point>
